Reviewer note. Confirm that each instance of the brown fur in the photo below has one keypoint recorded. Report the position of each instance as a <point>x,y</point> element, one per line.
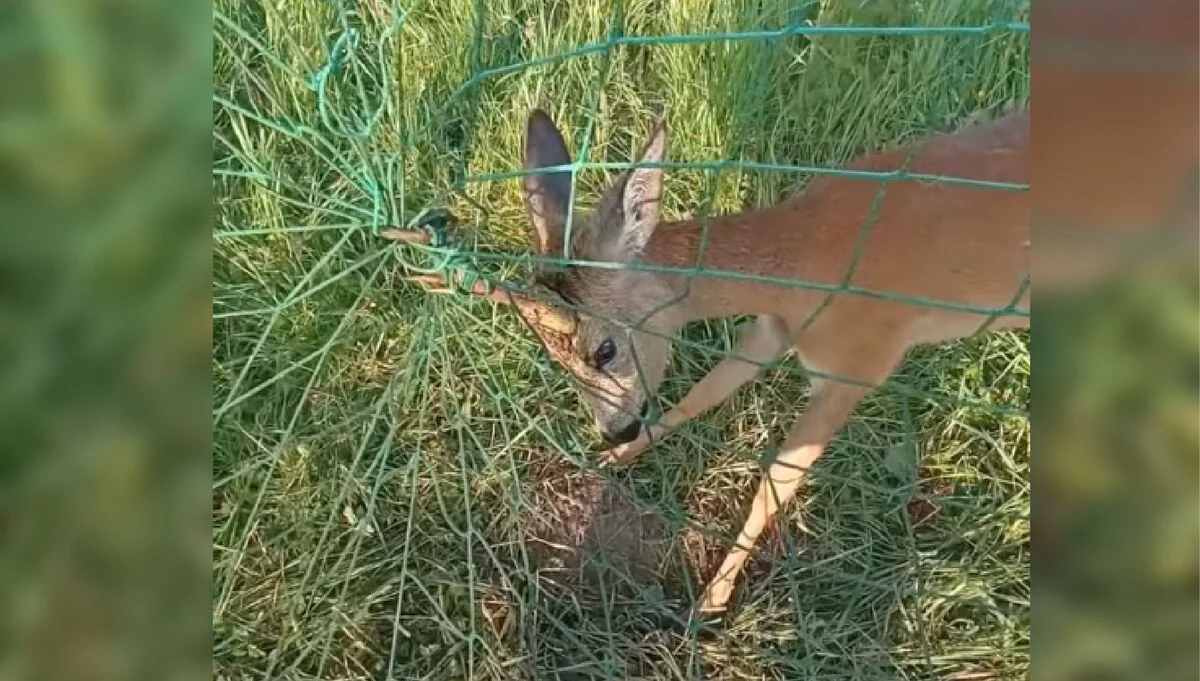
<point>954,244</point>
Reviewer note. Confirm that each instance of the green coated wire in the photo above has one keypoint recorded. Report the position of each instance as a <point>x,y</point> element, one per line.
<point>460,267</point>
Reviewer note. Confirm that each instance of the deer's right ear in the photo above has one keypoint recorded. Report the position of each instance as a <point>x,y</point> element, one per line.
<point>547,195</point>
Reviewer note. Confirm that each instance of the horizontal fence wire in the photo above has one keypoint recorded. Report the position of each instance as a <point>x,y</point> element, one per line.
<point>457,257</point>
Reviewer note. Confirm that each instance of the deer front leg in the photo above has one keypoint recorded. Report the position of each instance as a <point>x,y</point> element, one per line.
<point>830,405</point>
<point>761,344</point>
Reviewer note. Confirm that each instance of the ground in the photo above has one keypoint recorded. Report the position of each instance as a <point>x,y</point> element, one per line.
<point>402,486</point>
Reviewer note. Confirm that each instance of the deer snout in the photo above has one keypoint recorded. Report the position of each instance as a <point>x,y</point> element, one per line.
<point>621,432</point>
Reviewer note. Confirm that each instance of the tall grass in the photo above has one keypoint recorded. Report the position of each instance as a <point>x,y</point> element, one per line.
<point>375,447</point>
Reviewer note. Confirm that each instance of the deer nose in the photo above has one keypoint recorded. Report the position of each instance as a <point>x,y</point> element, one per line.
<point>627,434</point>
<point>630,432</point>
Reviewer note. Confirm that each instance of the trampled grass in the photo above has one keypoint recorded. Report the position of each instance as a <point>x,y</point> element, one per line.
<point>387,463</point>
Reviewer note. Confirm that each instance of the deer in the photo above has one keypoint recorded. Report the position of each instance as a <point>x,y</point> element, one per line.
<point>610,324</point>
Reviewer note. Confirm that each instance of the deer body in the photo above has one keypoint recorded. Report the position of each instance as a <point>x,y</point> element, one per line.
<point>959,245</point>
<point>967,246</point>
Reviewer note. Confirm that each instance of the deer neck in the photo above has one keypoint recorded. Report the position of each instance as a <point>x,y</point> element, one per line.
<point>728,244</point>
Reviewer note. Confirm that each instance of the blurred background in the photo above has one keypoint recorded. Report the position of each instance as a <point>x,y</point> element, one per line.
<point>105,119</point>
<point>1115,340</point>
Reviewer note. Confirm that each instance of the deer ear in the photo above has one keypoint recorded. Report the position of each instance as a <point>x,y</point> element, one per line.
<point>641,196</point>
<point>547,195</point>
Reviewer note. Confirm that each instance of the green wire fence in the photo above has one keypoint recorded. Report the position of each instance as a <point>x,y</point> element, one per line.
<point>377,556</point>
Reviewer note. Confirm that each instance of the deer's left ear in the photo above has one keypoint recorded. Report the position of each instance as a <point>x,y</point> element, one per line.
<point>547,194</point>
<point>641,197</point>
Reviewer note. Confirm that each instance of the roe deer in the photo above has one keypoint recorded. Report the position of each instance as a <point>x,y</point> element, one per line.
<point>961,244</point>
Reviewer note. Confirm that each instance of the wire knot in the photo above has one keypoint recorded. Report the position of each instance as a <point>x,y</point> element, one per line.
<point>345,43</point>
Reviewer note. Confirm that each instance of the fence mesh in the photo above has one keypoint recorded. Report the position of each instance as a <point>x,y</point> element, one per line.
<point>402,485</point>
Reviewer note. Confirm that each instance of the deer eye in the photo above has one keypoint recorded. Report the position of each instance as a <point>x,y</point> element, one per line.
<point>604,353</point>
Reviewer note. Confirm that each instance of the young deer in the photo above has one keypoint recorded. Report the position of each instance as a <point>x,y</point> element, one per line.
<point>957,244</point>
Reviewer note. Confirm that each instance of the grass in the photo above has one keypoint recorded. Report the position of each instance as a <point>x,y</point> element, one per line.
<point>381,455</point>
